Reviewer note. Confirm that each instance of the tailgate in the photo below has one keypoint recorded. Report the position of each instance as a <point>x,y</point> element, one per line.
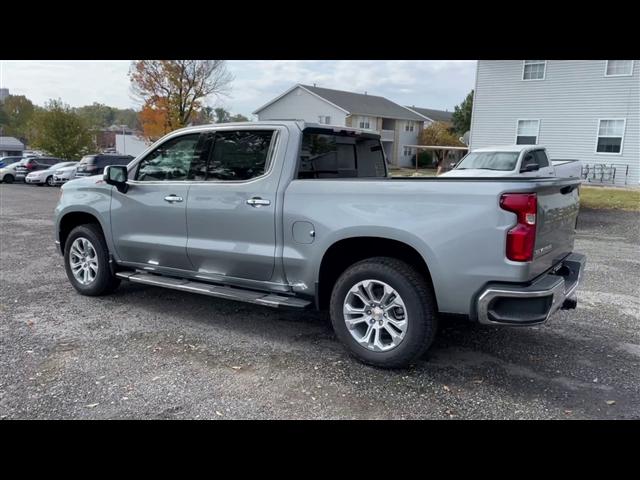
<point>558,206</point>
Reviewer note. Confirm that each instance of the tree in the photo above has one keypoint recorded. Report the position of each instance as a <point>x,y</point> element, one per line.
<point>222,115</point>
<point>97,115</point>
<point>154,121</point>
<point>18,111</point>
<point>462,115</point>
<point>178,87</point>
<point>128,117</point>
<point>439,134</point>
<point>238,118</point>
<point>60,132</point>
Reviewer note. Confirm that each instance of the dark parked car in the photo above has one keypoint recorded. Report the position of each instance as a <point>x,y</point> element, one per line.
<point>94,164</point>
<point>31,164</point>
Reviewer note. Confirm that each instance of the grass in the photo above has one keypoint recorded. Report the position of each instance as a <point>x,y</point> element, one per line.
<point>610,198</point>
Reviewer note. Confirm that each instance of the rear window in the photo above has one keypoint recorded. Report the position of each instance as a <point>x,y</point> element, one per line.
<point>335,155</point>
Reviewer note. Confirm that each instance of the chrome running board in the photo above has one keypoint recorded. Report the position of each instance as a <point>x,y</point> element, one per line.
<point>230,293</point>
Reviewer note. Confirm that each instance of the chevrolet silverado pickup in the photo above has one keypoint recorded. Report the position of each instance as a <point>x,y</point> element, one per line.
<point>299,215</point>
<point>514,161</point>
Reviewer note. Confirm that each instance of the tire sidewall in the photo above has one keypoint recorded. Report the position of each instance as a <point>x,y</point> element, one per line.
<point>103,277</point>
<point>417,329</point>
<point>49,181</point>
<point>8,179</point>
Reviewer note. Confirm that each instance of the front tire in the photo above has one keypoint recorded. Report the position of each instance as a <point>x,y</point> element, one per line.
<point>86,261</point>
<point>8,179</point>
<point>383,310</point>
<point>50,181</point>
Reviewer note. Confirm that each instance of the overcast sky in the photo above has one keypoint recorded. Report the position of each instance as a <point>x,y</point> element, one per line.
<point>436,84</point>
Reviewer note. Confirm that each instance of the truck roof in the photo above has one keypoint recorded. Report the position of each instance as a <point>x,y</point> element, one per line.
<point>508,148</point>
<point>301,124</point>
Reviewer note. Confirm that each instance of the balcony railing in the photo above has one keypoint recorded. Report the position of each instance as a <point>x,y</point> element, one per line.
<point>387,135</point>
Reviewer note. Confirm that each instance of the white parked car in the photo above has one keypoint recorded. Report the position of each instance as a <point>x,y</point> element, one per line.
<point>514,161</point>
<point>63,175</point>
<point>42,177</point>
<point>8,173</point>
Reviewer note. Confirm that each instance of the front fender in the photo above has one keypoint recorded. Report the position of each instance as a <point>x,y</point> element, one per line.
<point>86,196</point>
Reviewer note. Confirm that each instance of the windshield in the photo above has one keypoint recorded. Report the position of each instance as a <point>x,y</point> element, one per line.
<point>504,161</point>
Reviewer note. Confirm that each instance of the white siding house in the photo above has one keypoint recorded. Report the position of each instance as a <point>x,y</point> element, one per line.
<point>397,125</point>
<point>301,104</point>
<point>578,109</point>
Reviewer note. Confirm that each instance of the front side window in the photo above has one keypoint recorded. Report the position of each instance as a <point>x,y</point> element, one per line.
<point>618,68</point>
<point>541,158</point>
<point>534,69</point>
<point>326,155</point>
<point>527,132</point>
<point>610,136</point>
<point>170,161</point>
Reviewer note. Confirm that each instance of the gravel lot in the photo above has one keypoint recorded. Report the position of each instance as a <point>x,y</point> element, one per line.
<point>146,352</point>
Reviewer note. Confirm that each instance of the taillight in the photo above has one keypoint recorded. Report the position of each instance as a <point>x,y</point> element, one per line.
<point>521,238</point>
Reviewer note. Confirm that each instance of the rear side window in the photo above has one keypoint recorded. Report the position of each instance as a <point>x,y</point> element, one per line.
<point>88,160</point>
<point>328,155</point>
<point>239,155</point>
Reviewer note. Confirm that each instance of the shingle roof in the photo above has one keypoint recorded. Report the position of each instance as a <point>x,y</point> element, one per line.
<point>435,115</point>
<point>10,143</point>
<point>361,104</point>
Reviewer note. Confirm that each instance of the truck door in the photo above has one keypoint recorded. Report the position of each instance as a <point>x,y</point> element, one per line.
<point>148,222</point>
<point>546,168</point>
<point>534,157</point>
<point>231,209</point>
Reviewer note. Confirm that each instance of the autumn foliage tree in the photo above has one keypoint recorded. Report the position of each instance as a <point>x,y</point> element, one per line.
<point>439,134</point>
<point>173,91</point>
<point>154,120</point>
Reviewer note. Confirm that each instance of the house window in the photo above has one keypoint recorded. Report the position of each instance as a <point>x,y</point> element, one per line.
<point>407,152</point>
<point>365,122</point>
<point>409,126</point>
<point>527,132</point>
<point>534,69</point>
<point>619,68</point>
<point>610,135</point>
<point>324,119</point>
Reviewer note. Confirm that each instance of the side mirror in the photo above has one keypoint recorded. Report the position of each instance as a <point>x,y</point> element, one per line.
<point>116,175</point>
<point>532,167</point>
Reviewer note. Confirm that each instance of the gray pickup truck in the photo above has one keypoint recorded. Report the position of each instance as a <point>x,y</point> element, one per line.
<point>292,214</point>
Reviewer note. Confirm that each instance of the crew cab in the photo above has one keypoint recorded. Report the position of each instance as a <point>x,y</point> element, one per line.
<point>514,161</point>
<point>298,215</point>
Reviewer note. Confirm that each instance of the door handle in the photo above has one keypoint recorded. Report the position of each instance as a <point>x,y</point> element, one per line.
<point>258,202</point>
<point>172,198</point>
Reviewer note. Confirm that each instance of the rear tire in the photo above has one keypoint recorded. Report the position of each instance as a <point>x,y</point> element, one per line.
<point>418,311</point>
<point>86,245</point>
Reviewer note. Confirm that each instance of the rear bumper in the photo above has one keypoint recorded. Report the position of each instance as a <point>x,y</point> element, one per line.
<point>533,304</point>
